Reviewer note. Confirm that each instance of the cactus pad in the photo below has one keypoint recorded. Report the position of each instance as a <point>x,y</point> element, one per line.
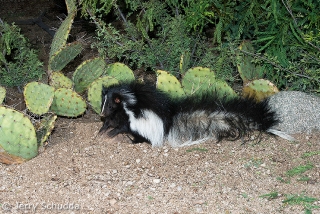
<point>68,103</point>
<point>169,83</point>
<point>64,55</point>
<point>44,128</point>
<point>198,80</point>
<point>2,94</point>
<point>61,35</point>
<point>120,71</point>
<point>246,68</point>
<point>184,62</point>
<point>58,80</point>
<point>95,90</point>
<point>71,6</point>
<point>87,72</point>
<point>259,89</point>
<point>18,136</point>
<point>222,89</point>
<point>38,97</point>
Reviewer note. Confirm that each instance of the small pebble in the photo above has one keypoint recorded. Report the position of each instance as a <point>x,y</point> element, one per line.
<point>156,181</point>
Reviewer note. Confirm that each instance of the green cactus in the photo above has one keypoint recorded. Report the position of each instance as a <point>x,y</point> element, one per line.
<point>169,83</point>
<point>44,128</point>
<point>246,68</point>
<point>87,72</point>
<point>120,71</point>
<point>222,89</point>
<point>64,55</point>
<point>71,6</point>
<point>68,103</point>
<point>18,136</point>
<point>95,89</point>
<point>198,80</point>
<point>259,89</point>
<point>61,35</point>
<point>38,97</point>
<point>184,62</point>
<point>2,94</point>
<point>58,80</point>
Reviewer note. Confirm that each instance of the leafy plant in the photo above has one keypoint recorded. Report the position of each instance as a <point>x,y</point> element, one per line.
<point>19,63</point>
<point>299,170</point>
<point>302,199</point>
<point>271,195</point>
<point>155,34</point>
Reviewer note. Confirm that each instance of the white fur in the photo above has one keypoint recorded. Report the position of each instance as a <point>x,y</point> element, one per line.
<point>104,104</point>
<point>281,134</point>
<point>150,126</point>
<point>130,98</point>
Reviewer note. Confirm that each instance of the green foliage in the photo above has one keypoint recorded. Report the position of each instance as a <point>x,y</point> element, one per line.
<point>302,199</point>
<point>299,170</point>
<point>155,34</point>
<point>271,195</point>
<point>19,63</point>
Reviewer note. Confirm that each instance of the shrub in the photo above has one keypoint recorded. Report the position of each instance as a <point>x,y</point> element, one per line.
<point>19,63</point>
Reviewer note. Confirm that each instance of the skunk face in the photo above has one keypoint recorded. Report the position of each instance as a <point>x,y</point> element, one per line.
<point>111,102</point>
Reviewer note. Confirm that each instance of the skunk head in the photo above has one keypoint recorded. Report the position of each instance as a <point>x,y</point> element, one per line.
<point>115,98</point>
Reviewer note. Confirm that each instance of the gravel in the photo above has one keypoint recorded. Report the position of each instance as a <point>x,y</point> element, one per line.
<point>299,112</point>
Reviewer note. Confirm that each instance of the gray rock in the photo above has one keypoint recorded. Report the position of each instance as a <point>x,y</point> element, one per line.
<point>299,112</point>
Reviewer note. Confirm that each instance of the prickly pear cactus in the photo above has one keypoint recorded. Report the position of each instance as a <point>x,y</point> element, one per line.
<point>259,89</point>
<point>95,90</point>
<point>87,72</point>
<point>18,137</point>
<point>2,94</point>
<point>61,35</point>
<point>184,62</point>
<point>169,83</point>
<point>58,80</point>
<point>67,103</point>
<point>38,97</point>
<point>246,68</point>
<point>222,90</point>
<point>120,71</point>
<point>44,128</point>
<point>198,80</point>
<point>64,55</point>
<point>71,6</point>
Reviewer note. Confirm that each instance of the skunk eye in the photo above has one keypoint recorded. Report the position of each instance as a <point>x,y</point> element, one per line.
<point>117,100</point>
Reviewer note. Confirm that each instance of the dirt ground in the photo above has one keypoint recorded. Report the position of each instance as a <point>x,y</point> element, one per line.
<point>79,172</point>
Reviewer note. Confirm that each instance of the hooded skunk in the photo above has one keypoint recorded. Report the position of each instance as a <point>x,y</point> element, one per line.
<point>150,115</point>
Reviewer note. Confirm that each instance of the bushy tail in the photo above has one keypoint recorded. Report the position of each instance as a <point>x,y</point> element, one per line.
<point>198,120</point>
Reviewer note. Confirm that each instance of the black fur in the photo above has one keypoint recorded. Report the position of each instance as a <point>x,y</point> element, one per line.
<point>243,115</point>
<point>148,98</point>
<point>131,108</point>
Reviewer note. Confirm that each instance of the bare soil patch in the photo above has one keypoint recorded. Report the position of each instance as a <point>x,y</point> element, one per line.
<point>81,173</point>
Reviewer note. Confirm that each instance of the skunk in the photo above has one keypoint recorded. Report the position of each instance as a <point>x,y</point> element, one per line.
<point>116,118</point>
<point>150,115</point>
